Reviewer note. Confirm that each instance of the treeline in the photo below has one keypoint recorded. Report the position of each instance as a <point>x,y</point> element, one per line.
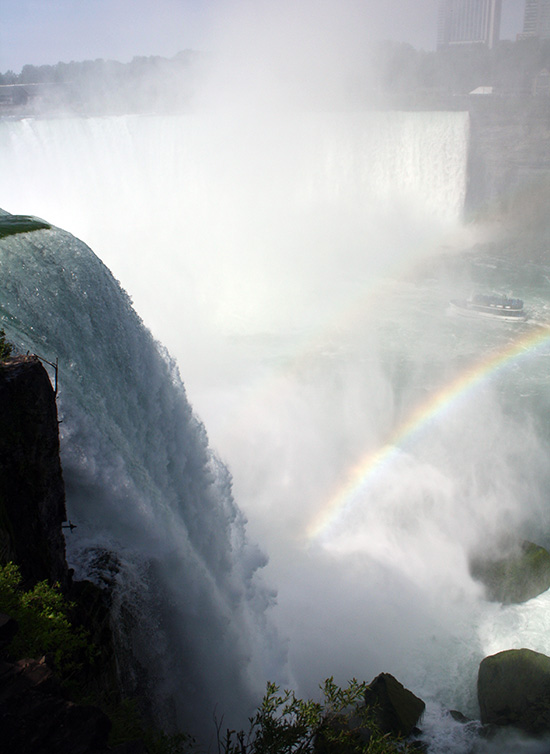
<point>63,73</point>
<point>396,69</point>
<point>107,86</point>
<point>510,68</point>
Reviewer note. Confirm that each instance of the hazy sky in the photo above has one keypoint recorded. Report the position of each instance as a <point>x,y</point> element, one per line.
<point>48,31</point>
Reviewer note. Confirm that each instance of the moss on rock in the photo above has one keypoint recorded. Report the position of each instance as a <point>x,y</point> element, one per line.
<point>516,578</point>
<point>514,690</point>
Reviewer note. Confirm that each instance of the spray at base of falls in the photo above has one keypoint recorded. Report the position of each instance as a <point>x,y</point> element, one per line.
<point>276,261</point>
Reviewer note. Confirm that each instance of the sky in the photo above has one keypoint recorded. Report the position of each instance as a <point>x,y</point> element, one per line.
<point>44,32</point>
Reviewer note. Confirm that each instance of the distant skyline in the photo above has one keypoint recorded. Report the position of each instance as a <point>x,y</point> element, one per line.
<point>45,32</point>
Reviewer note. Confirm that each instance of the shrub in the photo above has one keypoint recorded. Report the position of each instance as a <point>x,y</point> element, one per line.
<point>284,724</point>
<point>5,347</point>
<point>44,626</point>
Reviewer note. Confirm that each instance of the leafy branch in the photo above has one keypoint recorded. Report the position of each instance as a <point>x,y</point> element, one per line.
<point>285,724</point>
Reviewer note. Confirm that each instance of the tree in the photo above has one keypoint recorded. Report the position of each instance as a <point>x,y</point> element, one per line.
<point>5,347</point>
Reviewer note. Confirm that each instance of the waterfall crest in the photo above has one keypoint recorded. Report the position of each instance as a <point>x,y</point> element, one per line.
<point>289,200</point>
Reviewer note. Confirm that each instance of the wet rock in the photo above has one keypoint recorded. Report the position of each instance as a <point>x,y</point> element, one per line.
<point>459,717</point>
<point>396,710</point>
<point>514,690</point>
<point>521,575</point>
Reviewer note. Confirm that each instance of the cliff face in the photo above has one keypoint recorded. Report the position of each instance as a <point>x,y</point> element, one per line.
<point>32,493</point>
<point>35,713</point>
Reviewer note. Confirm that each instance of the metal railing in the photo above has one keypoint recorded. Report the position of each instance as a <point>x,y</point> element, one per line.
<point>55,367</point>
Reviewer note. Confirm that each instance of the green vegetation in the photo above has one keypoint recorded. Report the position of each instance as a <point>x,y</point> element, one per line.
<point>284,724</point>
<point>10,225</point>
<point>5,347</point>
<point>129,725</point>
<point>44,626</point>
<point>417,78</point>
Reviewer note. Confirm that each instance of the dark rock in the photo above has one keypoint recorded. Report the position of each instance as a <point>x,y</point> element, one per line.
<point>35,717</point>
<point>91,610</point>
<point>514,690</point>
<point>32,493</point>
<point>130,747</point>
<point>459,717</point>
<point>396,710</point>
<point>8,629</point>
<point>523,574</point>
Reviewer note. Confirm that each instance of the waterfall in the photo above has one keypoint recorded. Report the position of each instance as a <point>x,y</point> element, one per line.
<point>152,502</point>
<point>296,268</point>
<point>212,195</point>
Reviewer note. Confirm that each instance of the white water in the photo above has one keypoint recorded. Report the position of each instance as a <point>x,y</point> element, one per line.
<point>143,484</point>
<point>276,261</point>
<point>244,212</point>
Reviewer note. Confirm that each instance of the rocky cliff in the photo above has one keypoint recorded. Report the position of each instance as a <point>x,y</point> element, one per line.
<point>37,712</point>
<point>32,493</point>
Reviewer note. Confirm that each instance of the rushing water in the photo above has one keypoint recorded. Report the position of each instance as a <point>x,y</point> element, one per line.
<point>152,503</point>
<point>299,272</point>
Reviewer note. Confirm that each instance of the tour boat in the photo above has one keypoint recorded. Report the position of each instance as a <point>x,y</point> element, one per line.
<point>497,307</point>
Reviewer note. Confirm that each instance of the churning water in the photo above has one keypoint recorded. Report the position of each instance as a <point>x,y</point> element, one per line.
<point>299,273</point>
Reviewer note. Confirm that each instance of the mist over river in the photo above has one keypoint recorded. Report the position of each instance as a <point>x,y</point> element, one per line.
<point>298,270</point>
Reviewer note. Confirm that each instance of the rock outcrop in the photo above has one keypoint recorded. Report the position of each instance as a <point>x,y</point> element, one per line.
<point>514,690</point>
<point>390,709</point>
<point>35,713</point>
<point>523,574</point>
<point>32,493</point>
<point>396,710</point>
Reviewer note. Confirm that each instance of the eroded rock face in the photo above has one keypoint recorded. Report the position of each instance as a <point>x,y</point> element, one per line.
<point>32,493</point>
<point>514,690</point>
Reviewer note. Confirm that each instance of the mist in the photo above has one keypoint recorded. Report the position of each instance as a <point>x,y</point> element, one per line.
<point>275,240</point>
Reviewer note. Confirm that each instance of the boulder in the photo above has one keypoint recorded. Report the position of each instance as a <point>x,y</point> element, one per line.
<point>396,710</point>
<point>519,576</point>
<point>514,690</point>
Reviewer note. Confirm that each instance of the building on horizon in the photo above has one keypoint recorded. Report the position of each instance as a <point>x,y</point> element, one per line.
<point>536,21</point>
<point>462,22</point>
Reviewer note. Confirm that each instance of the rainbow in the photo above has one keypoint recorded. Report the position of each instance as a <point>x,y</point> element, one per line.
<point>362,473</point>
